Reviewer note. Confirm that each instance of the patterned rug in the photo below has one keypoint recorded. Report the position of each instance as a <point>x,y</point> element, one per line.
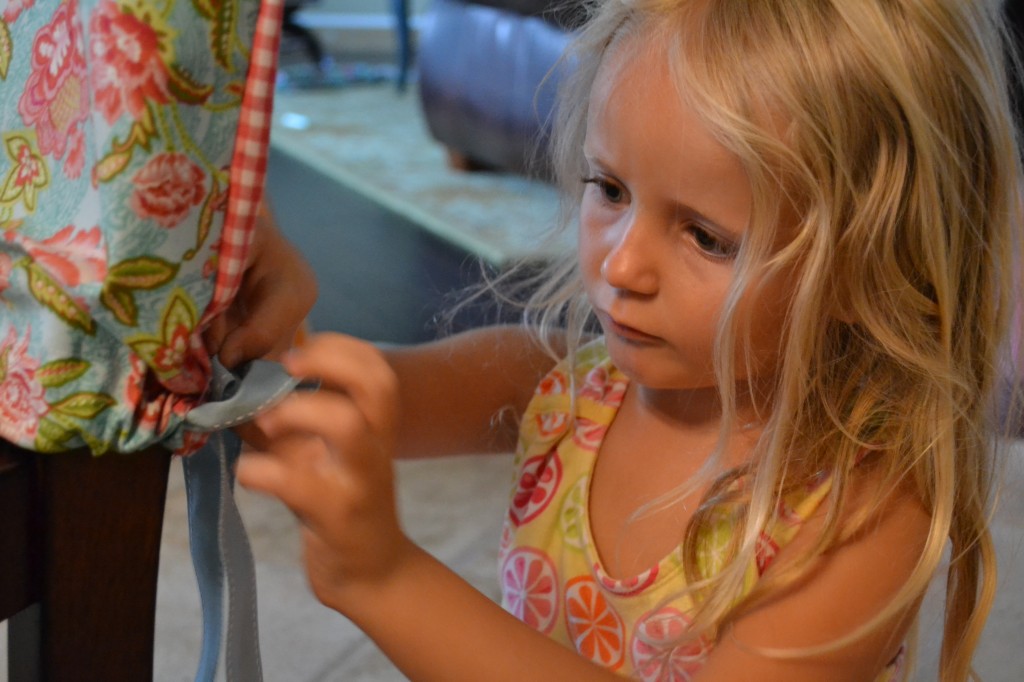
<point>374,140</point>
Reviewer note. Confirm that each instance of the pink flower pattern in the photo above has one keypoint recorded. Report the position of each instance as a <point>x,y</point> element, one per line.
<point>56,97</point>
<point>14,8</point>
<point>167,188</point>
<point>172,356</point>
<point>184,370</point>
<point>21,396</point>
<point>30,169</point>
<point>128,69</point>
<point>72,258</point>
<point>154,408</point>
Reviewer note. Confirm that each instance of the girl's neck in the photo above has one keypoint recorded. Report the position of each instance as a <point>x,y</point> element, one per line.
<point>699,410</point>
<point>653,469</point>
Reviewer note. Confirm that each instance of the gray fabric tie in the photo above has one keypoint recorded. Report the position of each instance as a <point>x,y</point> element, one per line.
<point>220,547</point>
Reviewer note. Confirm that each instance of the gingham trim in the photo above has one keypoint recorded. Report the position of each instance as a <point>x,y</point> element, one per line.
<point>249,162</point>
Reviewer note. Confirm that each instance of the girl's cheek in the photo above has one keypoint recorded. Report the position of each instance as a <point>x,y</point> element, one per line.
<point>599,228</point>
<point>766,316</point>
<point>589,258</point>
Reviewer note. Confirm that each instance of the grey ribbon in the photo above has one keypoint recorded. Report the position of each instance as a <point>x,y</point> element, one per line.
<point>220,547</point>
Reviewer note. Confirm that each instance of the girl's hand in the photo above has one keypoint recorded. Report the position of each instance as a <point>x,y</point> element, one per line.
<point>327,456</point>
<point>278,290</point>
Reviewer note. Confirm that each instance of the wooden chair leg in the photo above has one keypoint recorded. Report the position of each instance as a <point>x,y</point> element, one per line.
<point>17,550</point>
<point>99,521</point>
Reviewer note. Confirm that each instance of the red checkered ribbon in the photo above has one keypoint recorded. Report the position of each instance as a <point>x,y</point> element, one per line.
<point>249,163</point>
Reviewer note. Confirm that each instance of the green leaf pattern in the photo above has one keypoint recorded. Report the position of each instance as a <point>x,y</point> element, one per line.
<point>5,49</point>
<point>27,176</point>
<point>59,372</point>
<point>123,279</point>
<point>51,294</point>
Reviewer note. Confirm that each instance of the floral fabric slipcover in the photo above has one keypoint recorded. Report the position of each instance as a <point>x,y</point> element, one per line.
<point>118,121</point>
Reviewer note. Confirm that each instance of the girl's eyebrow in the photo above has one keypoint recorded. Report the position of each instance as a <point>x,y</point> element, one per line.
<point>593,159</point>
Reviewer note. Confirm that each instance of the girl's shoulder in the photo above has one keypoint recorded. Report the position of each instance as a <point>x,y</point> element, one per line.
<point>867,500</point>
<point>586,376</point>
<point>853,601</point>
<point>584,385</point>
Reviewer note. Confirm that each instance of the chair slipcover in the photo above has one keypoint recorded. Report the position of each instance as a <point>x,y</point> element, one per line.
<point>128,189</point>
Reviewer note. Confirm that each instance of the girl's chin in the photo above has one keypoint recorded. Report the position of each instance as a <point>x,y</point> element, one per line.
<point>650,368</point>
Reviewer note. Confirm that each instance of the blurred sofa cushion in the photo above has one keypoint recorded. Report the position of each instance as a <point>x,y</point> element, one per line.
<point>487,78</point>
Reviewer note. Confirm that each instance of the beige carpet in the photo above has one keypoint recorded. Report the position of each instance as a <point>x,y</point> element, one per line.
<point>374,140</point>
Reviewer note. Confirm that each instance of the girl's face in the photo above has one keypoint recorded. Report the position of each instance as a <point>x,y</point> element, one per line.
<point>663,212</point>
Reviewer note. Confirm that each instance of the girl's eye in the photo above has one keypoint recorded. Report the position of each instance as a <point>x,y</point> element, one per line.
<point>610,191</point>
<point>712,245</point>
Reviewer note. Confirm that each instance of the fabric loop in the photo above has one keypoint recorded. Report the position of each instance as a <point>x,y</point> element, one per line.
<point>220,548</point>
<point>237,398</point>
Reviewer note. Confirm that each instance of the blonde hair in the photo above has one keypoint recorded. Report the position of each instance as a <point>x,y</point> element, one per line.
<point>887,124</point>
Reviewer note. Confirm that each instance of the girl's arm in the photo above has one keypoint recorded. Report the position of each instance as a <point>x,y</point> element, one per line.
<point>460,395</point>
<point>435,627</point>
<point>277,292</point>
<point>464,394</point>
<point>328,458</point>
<point>844,589</point>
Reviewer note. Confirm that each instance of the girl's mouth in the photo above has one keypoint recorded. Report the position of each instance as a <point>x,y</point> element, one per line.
<point>624,331</point>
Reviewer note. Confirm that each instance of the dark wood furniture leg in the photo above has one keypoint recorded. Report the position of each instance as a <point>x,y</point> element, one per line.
<point>93,553</point>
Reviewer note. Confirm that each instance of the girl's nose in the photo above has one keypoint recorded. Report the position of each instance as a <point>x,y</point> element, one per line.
<point>630,263</point>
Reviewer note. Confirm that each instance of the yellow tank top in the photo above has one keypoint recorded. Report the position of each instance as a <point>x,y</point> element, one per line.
<point>551,576</point>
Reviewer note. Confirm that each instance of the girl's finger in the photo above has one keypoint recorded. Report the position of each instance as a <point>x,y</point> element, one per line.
<point>353,367</point>
<point>252,435</point>
<point>213,337</point>
<point>262,472</point>
<point>333,417</point>
<point>299,481</point>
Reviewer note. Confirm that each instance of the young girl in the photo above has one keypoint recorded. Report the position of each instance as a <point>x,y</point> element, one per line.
<point>797,227</point>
